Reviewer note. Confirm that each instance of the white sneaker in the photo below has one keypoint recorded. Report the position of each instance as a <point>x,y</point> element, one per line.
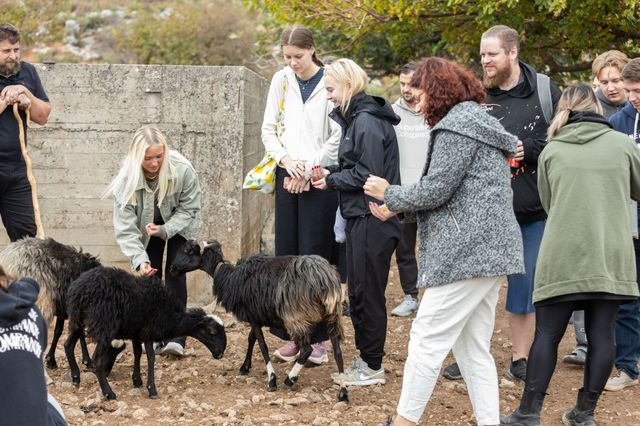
<point>357,362</point>
<point>620,382</point>
<point>408,305</point>
<point>173,348</point>
<point>359,374</point>
<point>157,348</point>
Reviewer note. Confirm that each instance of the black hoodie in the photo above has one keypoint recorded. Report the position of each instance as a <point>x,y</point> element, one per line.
<point>23,338</point>
<point>368,147</point>
<point>519,111</point>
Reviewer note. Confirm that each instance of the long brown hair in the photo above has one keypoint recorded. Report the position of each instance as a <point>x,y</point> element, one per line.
<point>301,38</point>
<point>578,98</point>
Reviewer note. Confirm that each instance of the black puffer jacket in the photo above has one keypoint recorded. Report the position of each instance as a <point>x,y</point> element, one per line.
<point>368,147</point>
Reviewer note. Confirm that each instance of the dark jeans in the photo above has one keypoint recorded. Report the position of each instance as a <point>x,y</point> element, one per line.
<point>176,285</point>
<point>16,205</point>
<point>551,324</point>
<point>370,245</point>
<point>406,259</point>
<point>304,225</point>
<point>628,330</point>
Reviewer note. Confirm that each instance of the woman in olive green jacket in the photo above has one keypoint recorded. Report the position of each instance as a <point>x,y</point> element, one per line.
<point>587,175</point>
<point>157,203</point>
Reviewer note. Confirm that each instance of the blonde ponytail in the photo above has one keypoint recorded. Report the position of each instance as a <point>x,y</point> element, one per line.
<point>576,98</point>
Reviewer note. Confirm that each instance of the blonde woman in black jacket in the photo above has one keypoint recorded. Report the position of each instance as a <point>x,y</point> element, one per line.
<point>368,146</point>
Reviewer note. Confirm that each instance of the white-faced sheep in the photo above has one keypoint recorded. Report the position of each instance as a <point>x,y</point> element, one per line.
<point>54,266</point>
<point>292,292</point>
<point>109,303</point>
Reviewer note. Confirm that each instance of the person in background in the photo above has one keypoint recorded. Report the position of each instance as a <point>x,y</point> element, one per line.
<point>413,140</point>
<point>524,105</point>
<point>469,238</point>
<point>23,338</point>
<point>586,175</point>
<point>627,328</point>
<point>607,70</point>
<point>298,133</point>
<point>368,146</point>
<point>19,84</point>
<point>156,205</point>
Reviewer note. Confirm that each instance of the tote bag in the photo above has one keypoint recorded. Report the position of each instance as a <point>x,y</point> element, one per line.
<point>263,176</point>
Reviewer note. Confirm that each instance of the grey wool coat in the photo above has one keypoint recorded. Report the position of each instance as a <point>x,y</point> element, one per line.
<point>463,203</point>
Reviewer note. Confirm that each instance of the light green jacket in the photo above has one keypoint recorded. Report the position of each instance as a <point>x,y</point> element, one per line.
<point>180,211</point>
<point>586,175</point>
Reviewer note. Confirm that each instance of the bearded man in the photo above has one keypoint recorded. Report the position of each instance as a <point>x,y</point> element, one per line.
<point>518,100</point>
<point>19,84</point>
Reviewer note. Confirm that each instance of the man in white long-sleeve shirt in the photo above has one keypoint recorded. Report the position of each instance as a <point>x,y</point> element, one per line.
<point>413,140</point>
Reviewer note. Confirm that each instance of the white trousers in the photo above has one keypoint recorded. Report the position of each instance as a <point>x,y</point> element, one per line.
<point>458,316</point>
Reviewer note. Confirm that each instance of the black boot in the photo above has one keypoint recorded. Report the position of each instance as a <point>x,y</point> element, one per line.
<point>582,413</point>
<point>528,413</point>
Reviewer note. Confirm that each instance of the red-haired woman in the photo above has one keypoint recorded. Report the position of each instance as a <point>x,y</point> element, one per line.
<point>469,238</point>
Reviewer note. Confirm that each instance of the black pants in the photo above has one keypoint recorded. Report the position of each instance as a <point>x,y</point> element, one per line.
<point>304,222</point>
<point>16,205</point>
<point>176,285</point>
<point>551,324</point>
<point>304,225</point>
<point>406,259</point>
<point>370,245</point>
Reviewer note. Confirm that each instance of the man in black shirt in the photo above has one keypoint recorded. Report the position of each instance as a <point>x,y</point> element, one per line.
<point>21,85</point>
<point>523,100</point>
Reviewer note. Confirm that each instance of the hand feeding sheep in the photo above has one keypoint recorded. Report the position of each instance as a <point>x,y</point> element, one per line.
<point>292,292</point>
<point>54,266</point>
<point>109,303</point>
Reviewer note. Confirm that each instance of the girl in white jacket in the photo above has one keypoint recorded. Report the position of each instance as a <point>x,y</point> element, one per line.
<point>298,133</point>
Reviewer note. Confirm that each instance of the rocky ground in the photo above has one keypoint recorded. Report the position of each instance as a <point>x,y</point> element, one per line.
<point>198,389</point>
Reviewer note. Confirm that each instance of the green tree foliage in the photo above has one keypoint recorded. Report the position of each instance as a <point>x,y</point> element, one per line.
<point>197,33</point>
<point>37,20</point>
<point>559,36</point>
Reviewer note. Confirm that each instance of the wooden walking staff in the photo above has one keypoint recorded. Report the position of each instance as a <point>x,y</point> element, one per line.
<point>32,179</point>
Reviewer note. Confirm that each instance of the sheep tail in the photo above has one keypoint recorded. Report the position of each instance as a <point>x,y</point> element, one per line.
<point>309,293</point>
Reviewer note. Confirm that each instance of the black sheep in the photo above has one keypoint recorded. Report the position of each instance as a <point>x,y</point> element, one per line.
<point>109,303</point>
<point>54,266</point>
<point>292,292</point>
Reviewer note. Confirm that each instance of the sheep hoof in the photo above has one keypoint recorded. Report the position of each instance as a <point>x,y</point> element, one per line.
<point>52,364</point>
<point>290,381</point>
<point>271,386</point>
<point>137,383</point>
<point>343,396</point>
<point>75,381</point>
<point>244,370</point>
<point>154,396</point>
<point>88,364</point>
<point>110,396</point>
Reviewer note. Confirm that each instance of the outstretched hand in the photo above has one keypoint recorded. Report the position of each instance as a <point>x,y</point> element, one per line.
<point>318,178</point>
<point>381,212</point>
<point>146,270</point>
<point>375,187</point>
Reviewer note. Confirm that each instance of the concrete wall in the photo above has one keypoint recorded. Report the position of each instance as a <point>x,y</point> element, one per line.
<point>212,115</point>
